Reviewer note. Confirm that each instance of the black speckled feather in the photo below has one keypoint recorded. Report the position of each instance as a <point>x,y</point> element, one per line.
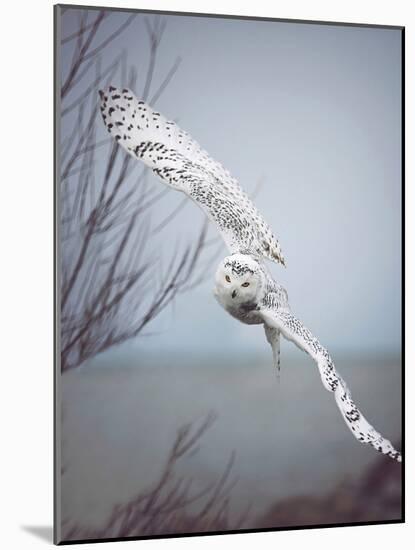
<point>181,163</point>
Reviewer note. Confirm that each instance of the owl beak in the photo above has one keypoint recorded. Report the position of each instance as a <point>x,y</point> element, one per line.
<point>233,293</point>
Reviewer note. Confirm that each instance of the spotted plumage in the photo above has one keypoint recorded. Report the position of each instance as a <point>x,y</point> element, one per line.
<point>244,288</point>
<point>182,164</point>
<point>243,281</point>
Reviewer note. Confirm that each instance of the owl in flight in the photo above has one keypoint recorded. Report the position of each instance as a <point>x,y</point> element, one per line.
<point>243,285</point>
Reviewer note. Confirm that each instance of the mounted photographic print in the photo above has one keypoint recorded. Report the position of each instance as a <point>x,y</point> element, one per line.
<point>229,267</point>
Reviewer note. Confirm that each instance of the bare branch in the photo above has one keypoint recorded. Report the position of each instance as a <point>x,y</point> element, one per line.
<point>110,38</point>
<point>170,505</point>
<point>80,52</point>
<point>166,81</point>
<point>109,266</point>
<point>79,32</point>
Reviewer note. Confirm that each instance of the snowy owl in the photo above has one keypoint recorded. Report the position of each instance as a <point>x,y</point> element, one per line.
<point>243,285</point>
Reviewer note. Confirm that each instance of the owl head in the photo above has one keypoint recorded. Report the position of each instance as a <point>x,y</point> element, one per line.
<point>238,280</point>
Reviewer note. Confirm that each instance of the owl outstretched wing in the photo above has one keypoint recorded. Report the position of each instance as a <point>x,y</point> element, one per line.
<point>181,163</point>
<point>292,329</point>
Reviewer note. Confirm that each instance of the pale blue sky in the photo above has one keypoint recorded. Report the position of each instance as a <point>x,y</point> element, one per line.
<point>315,111</point>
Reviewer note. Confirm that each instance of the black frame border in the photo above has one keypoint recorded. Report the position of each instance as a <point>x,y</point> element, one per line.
<point>56,271</point>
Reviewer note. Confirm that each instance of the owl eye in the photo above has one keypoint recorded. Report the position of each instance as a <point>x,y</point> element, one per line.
<point>228,278</point>
<point>245,284</point>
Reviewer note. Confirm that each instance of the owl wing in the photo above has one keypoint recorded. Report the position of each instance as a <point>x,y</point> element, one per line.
<point>181,163</point>
<point>292,329</point>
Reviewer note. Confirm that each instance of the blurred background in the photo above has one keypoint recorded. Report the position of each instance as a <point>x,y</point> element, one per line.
<point>172,416</point>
